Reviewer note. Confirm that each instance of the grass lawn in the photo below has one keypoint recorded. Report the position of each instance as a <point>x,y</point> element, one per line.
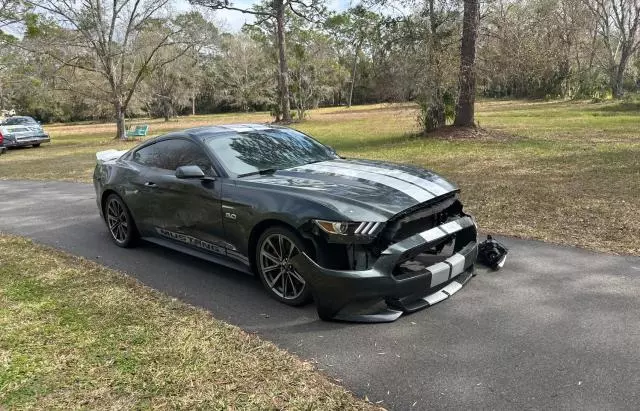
<point>78,335</point>
<point>557,171</point>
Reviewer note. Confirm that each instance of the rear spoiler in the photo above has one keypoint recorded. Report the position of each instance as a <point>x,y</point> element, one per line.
<point>109,155</point>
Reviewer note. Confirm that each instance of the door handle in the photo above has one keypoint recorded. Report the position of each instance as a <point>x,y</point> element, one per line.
<point>150,184</point>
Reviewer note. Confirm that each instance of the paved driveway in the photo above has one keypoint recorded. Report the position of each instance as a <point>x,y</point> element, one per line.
<point>558,327</point>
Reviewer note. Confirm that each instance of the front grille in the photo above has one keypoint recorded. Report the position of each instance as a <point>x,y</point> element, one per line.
<point>421,219</point>
<point>418,261</point>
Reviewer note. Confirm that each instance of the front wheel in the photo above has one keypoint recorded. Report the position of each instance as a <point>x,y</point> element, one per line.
<point>36,145</point>
<point>119,221</point>
<point>276,247</point>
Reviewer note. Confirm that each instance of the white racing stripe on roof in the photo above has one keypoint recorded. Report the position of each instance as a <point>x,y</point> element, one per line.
<point>240,128</point>
<point>430,186</point>
<point>411,190</point>
<point>258,126</point>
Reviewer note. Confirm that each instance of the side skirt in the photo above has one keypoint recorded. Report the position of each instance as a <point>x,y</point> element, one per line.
<point>195,253</point>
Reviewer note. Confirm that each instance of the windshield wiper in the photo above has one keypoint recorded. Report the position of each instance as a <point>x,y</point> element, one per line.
<point>261,172</point>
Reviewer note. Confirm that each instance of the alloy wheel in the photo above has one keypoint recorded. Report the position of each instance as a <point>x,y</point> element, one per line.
<point>117,221</point>
<point>275,263</point>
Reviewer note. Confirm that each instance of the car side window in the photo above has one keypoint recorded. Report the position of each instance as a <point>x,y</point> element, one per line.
<point>174,153</point>
<point>147,156</point>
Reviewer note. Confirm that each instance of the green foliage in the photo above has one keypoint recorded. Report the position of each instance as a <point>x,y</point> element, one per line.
<point>531,49</point>
<point>436,113</point>
<point>241,75</point>
<point>315,75</point>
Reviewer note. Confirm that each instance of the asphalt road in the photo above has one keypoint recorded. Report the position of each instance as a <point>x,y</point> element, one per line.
<point>558,327</point>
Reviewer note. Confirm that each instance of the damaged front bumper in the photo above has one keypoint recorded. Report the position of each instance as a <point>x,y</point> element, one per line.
<point>399,281</point>
<point>26,141</point>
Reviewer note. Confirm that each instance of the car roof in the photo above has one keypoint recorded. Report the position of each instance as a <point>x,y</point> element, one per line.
<point>213,130</point>
<point>208,131</point>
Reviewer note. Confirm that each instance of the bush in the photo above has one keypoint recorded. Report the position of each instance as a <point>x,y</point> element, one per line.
<point>436,112</point>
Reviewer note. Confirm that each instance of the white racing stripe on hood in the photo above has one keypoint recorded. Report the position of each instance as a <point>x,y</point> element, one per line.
<point>418,193</point>
<point>430,186</point>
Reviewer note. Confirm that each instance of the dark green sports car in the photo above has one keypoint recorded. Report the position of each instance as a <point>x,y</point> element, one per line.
<point>366,240</point>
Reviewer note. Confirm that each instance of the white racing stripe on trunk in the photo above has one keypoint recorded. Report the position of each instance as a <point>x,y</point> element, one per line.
<point>430,186</point>
<point>413,191</point>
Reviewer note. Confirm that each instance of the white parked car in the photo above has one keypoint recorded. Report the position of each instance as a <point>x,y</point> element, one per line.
<point>20,131</point>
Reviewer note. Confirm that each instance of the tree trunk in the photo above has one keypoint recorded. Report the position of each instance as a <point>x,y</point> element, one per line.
<point>353,75</point>
<point>467,96</point>
<point>193,103</point>
<point>617,78</point>
<point>120,126</point>
<point>166,108</point>
<point>283,69</point>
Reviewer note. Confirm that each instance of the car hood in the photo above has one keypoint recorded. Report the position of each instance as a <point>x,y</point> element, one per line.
<point>356,187</point>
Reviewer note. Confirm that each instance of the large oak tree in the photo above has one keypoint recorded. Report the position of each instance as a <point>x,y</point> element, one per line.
<point>114,42</point>
<point>618,26</point>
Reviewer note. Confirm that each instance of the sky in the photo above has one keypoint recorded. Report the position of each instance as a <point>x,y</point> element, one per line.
<point>234,20</point>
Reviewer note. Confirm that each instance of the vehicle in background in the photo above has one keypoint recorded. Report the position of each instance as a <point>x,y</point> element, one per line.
<point>21,131</point>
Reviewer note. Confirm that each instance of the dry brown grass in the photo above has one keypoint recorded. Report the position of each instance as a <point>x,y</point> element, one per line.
<point>78,335</point>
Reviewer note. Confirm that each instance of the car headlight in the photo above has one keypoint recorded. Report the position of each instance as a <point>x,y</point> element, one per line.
<point>349,227</point>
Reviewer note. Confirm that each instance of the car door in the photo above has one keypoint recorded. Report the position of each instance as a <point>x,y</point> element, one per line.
<point>184,211</point>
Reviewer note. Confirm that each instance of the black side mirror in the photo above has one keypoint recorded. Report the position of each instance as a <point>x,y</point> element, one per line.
<point>187,172</point>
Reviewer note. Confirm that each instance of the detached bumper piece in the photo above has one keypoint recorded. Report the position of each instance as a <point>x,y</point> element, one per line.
<point>405,278</point>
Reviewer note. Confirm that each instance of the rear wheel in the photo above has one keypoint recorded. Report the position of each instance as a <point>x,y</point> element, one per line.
<point>119,221</point>
<point>36,145</point>
<point>276,247</point>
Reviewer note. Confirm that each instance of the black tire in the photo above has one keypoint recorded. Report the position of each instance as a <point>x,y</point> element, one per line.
<point>120,224</point>
<point>36,145</point>
<point>290,287</point>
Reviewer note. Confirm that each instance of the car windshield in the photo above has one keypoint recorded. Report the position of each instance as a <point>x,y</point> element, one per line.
<point>14,121</point>
<point>251,152</point>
